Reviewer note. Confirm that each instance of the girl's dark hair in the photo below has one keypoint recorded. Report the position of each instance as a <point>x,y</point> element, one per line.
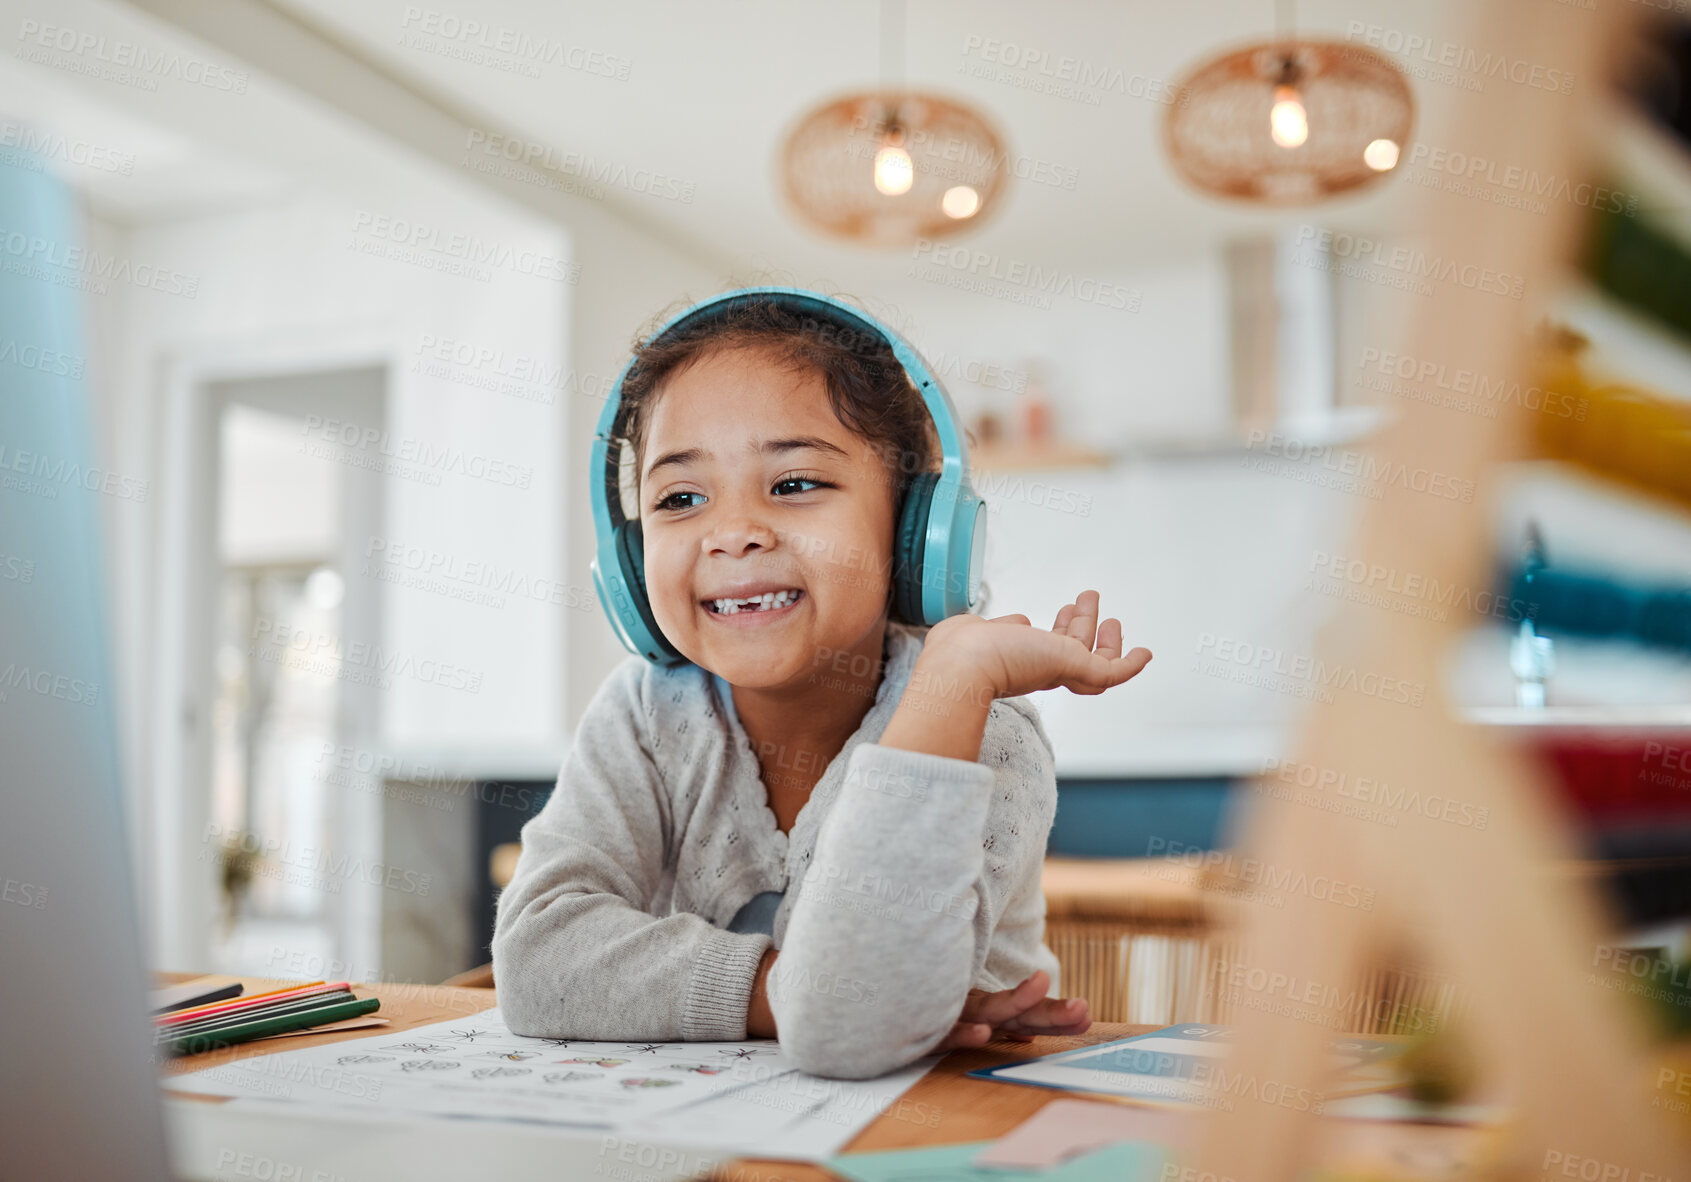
<point>868,389</point>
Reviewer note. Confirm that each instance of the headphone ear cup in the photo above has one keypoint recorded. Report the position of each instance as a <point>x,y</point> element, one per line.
<point>909,547</point>
<point>631,553</point>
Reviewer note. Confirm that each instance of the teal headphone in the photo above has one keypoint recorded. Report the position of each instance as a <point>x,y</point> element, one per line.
<point>941,535</point>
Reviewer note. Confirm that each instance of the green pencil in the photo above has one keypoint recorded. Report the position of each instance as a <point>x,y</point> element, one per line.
<point>193,1044</point>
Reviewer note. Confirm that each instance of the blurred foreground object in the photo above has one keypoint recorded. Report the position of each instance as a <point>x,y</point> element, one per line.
<point>75,1031</point>
<point>1480,903</point>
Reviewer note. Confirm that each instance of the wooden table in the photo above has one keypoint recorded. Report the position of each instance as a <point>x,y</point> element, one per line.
<point>942,1108</point>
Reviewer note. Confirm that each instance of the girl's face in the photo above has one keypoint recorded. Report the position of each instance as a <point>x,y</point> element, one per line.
<point>751,486</point>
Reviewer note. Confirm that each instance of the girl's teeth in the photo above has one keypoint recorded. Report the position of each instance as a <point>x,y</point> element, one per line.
<point>765,602</point>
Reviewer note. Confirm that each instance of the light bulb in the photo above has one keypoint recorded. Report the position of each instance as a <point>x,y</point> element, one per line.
<point>1380,155</point>
<point>1287,122</point>
<point>894,173</point>
<point>960,201</point>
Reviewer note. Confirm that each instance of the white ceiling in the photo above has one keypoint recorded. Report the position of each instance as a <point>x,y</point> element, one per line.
<point>714,86</point>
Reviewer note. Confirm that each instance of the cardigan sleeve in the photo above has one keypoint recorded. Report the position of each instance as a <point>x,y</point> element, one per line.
<point>575,955</point>
<point>925,882</point>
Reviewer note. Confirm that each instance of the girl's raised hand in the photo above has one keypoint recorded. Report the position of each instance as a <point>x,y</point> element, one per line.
<point>1007,657</point>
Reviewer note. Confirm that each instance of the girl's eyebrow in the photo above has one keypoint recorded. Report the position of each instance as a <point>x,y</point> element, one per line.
<point>693,455</point>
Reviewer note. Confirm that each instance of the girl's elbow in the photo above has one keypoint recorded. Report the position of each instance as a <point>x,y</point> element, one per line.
<point>836,1042</point>
<point>534,1010</point>
<point>525,1018</point>
<point>528,1003</point>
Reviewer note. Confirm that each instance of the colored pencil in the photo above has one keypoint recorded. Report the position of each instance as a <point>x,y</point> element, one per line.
<point>194,1043</point>
<point>251,997</point>
<point>257,999</point>
<point>290,1005</point>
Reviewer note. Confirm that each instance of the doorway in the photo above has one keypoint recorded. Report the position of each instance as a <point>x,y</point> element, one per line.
<point>286,701</point>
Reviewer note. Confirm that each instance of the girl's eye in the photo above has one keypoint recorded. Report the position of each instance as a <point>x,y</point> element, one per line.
<point>802,480</point>
<point>666,502</point>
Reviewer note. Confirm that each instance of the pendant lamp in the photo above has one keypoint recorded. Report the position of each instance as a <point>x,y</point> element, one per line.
<point>1290,121</point>
<point>890,166</point>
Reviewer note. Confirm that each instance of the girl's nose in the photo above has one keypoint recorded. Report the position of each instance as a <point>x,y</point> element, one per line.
<point>738,535</point>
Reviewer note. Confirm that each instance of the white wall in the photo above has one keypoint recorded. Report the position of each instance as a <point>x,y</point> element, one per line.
<point>1114,375</point>
<point>1181,551</point>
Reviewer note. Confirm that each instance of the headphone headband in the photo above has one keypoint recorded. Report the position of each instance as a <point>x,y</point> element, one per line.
<point>941,530</point>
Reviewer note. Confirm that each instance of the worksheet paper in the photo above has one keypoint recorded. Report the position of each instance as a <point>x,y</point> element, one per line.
<point>794,1117</point>
<point>736,1095</point>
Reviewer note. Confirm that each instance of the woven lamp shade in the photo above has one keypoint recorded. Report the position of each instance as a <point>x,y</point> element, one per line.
<point>1218,135</point>
<point>827,167</point>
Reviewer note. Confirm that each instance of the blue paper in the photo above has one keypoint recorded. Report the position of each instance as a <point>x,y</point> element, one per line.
<point>1180,1066</point>
<point>1125,1161</point>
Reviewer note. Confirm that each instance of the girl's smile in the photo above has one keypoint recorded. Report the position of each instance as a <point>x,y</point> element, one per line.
<point>761,602</point>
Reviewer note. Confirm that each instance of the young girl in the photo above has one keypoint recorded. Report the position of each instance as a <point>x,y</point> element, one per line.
<point>829,827</point>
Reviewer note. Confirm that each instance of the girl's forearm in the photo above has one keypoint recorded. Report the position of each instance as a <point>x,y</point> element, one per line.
<point>943,712</point>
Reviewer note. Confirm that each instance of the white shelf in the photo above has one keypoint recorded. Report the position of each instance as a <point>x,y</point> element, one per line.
<point>1581,717</point>
<point>1345,425</point>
